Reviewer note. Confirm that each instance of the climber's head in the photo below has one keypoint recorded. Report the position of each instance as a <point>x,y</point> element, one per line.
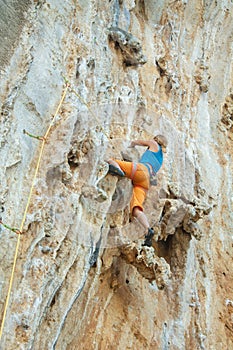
<point>162,141</point>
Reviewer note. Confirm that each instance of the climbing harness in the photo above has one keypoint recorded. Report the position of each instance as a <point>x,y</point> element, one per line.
<point>133,171</point>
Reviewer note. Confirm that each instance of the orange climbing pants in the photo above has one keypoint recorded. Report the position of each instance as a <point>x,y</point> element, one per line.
<point>140,177</point>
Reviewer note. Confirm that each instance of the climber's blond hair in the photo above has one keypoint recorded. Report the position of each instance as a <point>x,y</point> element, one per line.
<point>162,141</point>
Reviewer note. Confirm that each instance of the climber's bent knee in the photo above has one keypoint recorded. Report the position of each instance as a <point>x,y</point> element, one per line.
<point>136,211</point>
<point>125,166</point>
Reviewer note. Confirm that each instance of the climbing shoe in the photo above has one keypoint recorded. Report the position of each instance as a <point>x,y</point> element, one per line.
<point>113,170</point>
<point>148,237</point>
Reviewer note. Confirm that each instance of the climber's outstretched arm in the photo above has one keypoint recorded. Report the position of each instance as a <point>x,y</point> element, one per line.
<point>151,144</point>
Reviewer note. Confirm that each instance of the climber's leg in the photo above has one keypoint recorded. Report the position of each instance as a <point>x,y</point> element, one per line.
<point>123,166</point>
<point>138,197</point>
<point>141,217</point>
<point>140,179</point>
<point>114,168</point>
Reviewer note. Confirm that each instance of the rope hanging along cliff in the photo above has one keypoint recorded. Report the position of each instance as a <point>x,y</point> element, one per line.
<point>43,141</point>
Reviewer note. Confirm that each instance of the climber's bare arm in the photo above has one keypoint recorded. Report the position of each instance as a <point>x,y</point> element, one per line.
<point>151,144</point>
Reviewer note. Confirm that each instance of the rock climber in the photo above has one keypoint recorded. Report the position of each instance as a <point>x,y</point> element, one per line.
<point>140,174</point>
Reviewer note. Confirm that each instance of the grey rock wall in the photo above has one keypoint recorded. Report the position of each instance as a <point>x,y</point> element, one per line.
<point>82,280</point>
<point>12,19</point>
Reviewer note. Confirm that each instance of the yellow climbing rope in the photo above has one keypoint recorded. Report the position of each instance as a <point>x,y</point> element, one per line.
<point>43,139</point>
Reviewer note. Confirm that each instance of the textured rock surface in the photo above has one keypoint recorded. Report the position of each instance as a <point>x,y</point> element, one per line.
<point>82,280</point>
<point>12,18</point>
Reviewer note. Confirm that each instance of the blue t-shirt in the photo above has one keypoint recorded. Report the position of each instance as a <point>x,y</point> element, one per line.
<point>155,159</point>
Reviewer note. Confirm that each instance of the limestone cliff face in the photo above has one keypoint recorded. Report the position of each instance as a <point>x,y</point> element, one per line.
<point>126,69</point>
